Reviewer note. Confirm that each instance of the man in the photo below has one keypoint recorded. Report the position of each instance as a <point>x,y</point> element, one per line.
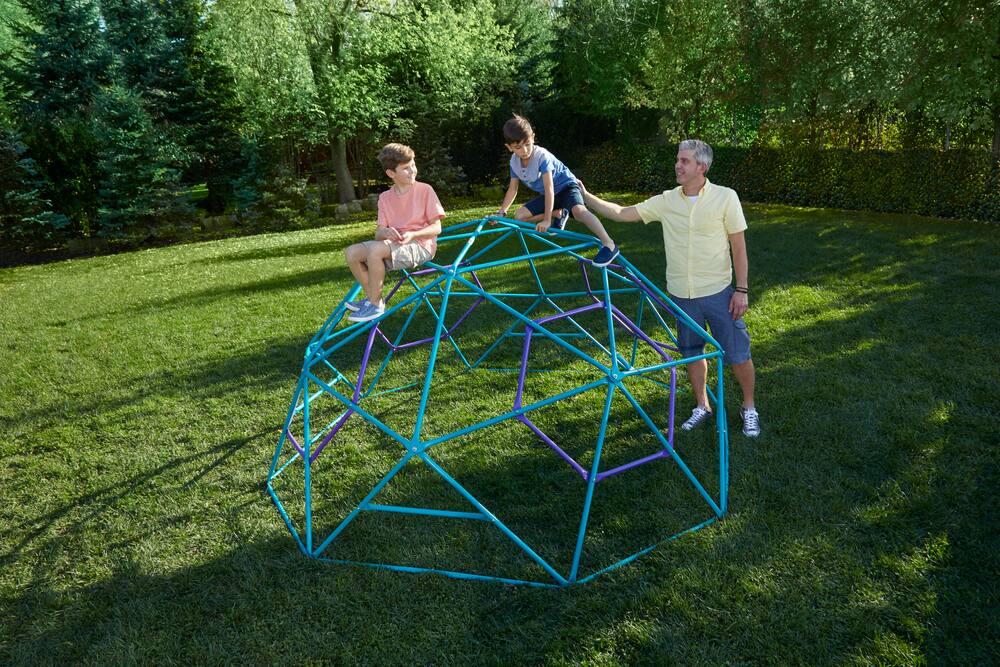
<point>702,225</point>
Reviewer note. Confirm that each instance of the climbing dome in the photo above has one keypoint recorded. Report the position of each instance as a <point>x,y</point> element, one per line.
<point>509,418</point>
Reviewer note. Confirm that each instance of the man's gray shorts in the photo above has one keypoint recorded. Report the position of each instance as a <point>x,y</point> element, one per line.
<point>714,309</point>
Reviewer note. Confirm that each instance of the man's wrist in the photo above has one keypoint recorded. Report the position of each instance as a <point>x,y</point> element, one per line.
<point>741,289</point>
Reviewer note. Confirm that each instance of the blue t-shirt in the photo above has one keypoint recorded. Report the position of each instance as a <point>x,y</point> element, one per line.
<point>540,162</point>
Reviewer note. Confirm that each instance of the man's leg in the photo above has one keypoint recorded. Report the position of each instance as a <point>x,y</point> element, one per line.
<point>746,377</point>
<point>698,374</point>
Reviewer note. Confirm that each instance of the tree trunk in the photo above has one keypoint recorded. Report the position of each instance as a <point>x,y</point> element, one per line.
<point>345,184</point>
<point>996,132</point>
<point>947,135</point>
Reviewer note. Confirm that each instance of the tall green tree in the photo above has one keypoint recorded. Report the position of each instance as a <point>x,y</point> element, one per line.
<point>66,62</point>
<point>953,55</point>
<point>139,171</point>
<point>695,70</point>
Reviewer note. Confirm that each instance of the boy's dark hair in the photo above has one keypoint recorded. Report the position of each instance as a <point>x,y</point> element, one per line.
<point>393,155</point>
<point>517,129</point>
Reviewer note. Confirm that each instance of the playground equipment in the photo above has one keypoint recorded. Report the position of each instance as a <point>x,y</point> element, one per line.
<point>599,326</point>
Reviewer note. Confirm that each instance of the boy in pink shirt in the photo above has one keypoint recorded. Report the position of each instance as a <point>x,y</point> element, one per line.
<point>409,222</point>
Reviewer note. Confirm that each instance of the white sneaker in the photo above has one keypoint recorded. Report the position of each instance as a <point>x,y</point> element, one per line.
<point>751,422</point>
<point>698,415</point>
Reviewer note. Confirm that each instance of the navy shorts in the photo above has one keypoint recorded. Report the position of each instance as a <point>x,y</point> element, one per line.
<point>566,198</point>
<point>731,334</point>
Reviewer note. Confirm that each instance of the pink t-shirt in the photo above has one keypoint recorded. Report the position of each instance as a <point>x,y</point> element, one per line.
<point>411,212</point>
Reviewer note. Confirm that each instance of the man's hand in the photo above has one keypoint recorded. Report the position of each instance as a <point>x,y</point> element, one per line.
<point>583,189</point>
<point>406,237</point>
<point>738,305</point>
<point>543,226</point>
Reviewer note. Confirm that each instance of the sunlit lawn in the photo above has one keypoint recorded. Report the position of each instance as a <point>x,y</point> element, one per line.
<point>141,396</point>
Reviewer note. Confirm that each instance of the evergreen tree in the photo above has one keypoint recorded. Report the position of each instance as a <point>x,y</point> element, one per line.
<point>139,176</point>
<point>26,217</point>
<point>66,62</point>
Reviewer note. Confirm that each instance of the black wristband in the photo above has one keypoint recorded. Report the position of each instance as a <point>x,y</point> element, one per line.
<point>741,290</point>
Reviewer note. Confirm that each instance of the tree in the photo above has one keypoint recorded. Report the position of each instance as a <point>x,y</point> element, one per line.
<point>26,217</point>
<point>65,63</point>
<point>953,53</point>
<point>138,170</point>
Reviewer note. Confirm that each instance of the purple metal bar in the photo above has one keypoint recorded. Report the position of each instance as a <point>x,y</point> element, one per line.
<point>329,436</point>
<point>556,448</point>
<point>662,454</point>
<point>524,368</point>
<point>364,362</point>
<point>448,332</point>
<point>636,331</point>
<point>295,443</point>
<point>623,320</point>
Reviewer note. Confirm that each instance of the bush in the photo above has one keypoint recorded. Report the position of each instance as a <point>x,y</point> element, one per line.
<point>26,218</point>
<point>947,184</point>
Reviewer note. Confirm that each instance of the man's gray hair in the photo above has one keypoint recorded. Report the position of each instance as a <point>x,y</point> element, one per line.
<point>702,151</point>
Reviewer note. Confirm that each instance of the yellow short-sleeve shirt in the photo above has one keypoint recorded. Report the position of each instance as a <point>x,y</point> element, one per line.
<point>696,237</point>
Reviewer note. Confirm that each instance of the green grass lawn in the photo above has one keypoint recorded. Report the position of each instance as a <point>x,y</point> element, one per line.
<point>141,397</point>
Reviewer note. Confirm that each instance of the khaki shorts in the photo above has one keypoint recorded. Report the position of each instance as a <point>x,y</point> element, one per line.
<point>404,255</point>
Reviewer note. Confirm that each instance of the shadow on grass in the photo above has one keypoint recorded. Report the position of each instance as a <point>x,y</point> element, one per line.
<point>862,525</point>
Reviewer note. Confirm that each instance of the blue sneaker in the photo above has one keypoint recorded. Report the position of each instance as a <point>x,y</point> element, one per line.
<point>605,256</point>
<point>560,222</point>
<point>355,306</point>
<point>369,312</point>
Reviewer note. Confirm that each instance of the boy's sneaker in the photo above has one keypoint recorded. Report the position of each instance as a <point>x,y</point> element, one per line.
<point>368,312</point>
<point>605,256</point>
<point>560,222</point>
<point>751,422</point>
<point>355,306</point>
<point>698,416</point>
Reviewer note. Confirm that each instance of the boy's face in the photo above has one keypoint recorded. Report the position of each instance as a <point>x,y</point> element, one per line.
<point>523,148</point>
<point>404,174</point>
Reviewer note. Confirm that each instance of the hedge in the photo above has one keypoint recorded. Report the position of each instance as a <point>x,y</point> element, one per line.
<point>947,184</point>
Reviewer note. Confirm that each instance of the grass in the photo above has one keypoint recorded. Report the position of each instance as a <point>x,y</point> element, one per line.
<point>141,396</point>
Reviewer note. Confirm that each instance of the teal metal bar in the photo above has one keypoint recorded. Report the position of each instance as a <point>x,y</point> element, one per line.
<point>496,522</point>
<point>400,509</point>
<point>591,483</point>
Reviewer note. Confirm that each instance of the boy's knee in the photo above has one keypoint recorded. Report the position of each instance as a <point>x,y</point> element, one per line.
<point>522,214</point>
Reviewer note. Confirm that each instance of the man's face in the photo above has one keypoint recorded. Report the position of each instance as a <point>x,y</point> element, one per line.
<point>523,148</point>
<point>687,169</point>
<point>405,173</point>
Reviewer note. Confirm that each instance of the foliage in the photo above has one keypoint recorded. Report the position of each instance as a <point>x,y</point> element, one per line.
<point>951,184</point>
<point>138,169</point>
<point>26,218</point>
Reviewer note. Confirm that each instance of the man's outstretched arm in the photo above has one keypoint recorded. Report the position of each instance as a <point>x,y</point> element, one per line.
<point>609,210</point>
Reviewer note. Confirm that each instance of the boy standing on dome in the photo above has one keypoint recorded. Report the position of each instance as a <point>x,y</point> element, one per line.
<point>558,191</point>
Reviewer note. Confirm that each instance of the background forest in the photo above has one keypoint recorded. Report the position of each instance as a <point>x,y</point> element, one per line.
<point>144,121</point>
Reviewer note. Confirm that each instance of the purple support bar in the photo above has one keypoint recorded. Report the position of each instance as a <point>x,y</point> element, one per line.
<point>295,443</point>
<point>556,448</point>
<point>364,362</point>
<point>662,454</point>
<point>623,320</point>
<point>330,435</point>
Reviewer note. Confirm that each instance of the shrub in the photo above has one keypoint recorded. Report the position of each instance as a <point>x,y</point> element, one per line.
<point>948,184</point>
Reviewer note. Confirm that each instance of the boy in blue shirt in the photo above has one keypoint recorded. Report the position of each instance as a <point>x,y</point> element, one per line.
<point>558,191</point>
